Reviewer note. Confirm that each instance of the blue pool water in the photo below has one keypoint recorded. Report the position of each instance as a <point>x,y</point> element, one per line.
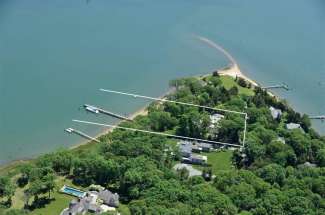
<point>73,192</point>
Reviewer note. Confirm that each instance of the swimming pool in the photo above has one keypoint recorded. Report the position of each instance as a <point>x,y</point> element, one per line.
<point>72,191</point>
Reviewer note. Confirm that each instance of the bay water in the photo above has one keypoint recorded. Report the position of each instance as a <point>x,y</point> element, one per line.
<point>56,54</point>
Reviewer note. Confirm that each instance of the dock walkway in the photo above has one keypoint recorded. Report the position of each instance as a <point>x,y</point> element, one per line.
<point>100,110</point>
<point>80,133</point>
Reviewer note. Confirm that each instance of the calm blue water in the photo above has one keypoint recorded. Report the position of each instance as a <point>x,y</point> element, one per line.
<point>55,55</point>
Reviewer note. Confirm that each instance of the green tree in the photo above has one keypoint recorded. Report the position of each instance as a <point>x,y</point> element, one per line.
<point>7,189</point>
<point>233,91</point>
<point>300,144</point>
<point>42,180</point>
<point>243,195</point>
<point>194,124</point>
<point>320,157</point>
<point>161,121</point>
<point>272,173</point>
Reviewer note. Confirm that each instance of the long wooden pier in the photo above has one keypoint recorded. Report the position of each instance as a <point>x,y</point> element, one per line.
<point>82,134</point>
<point>100,110</point>
<point>278,86</point>
<point>321,117</point>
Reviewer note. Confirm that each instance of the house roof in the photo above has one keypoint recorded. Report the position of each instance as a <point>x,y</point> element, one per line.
<point>185,146</point>
<point>200,157</point>
<point>308,164</point>
<point>109,198</point>
<point>190,169</point>
<point>293,126</point>
<point>205,145</point>
<point>76,207</point>
<point>276,113</point>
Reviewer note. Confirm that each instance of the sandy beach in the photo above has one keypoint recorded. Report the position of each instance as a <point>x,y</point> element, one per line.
<point>234,71</point>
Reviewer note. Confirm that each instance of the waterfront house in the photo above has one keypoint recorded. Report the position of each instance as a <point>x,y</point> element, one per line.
<point>82,206</point>
<point>186,147</point>
<point>276,113</point>
<point>291,126</point>
<point>95,202</point>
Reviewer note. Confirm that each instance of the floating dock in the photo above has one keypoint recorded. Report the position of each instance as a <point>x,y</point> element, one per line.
<point>100,110</point>
<point>80,133</point>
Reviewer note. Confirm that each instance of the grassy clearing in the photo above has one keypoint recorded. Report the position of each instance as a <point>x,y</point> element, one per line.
<point>228,82</point>
<point>220,160</point>
<point>123,209</point>
<point>59,202</point>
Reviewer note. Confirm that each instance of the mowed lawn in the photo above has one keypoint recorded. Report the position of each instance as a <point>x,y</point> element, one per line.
<point>59,202</point>
<point>228,82</point>
<point>220,160</point>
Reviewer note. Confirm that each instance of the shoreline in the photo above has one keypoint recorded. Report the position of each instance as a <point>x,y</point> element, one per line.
<point>233,71</point>
<point>139,112</point>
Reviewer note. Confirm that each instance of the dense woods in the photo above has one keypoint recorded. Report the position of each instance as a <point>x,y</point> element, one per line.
<point>280,171</point>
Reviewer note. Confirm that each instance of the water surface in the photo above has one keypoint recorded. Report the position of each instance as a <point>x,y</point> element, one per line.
<point>55,55</point>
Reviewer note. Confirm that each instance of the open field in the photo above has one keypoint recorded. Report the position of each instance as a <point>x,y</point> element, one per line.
<point>220,160</point>
<point>229,82</point>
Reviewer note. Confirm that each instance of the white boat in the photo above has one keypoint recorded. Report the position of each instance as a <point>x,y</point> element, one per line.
<point>69,130</point>
<point>91,109</point>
